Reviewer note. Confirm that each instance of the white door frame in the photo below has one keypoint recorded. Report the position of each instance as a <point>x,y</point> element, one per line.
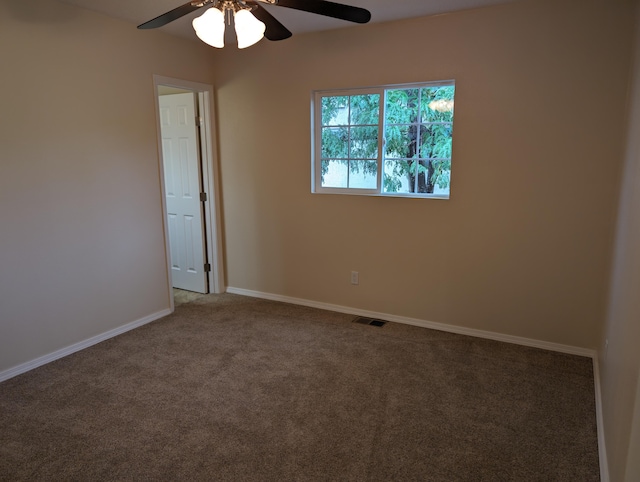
<point>211,185</point>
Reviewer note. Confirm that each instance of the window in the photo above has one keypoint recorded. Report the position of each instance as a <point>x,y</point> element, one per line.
<point>393,140</point>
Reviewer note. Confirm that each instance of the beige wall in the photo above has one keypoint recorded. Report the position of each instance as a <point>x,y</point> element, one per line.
<point>521,248</point>
<point>620,362</point>
<point>81,234</point>
<point>523,245</point>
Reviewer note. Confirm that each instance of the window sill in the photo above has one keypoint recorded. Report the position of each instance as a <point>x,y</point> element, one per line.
<point>347,192</point>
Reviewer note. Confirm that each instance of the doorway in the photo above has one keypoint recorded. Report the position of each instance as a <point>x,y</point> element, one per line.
<point>190,193</point>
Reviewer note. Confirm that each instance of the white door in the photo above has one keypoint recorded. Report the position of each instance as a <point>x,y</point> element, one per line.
<point>181,159</point>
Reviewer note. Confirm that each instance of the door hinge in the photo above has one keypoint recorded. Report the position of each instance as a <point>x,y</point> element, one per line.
<point>198,121</point>
<point>203,197</point>
<point>207,267</point>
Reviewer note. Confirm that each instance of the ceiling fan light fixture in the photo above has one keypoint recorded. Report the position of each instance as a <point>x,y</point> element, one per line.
<point>249,30</point>
<point>209,27</point>
<point>252,21</point>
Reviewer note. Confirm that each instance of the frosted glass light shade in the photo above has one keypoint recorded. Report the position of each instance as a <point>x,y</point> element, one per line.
<point>249,29</point>
<point>209,27</point>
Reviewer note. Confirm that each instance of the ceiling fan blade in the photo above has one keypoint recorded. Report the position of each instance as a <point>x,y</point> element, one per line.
<point>274,29</point>
<point>329,9</point>
<point>170,16</point>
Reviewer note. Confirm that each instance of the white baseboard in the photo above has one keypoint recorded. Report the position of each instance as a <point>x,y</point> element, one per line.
<point>43,360</point>
<point>517,340</point>
<point>545,345</point>
<point>604,468</point>
<point>602,447</point>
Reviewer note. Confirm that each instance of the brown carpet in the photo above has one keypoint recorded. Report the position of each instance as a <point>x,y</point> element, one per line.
<point>234,388</point>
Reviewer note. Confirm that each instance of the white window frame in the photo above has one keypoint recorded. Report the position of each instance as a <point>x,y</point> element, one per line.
<point>316,139</point>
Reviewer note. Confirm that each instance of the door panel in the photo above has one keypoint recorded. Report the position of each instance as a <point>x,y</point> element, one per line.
<point>181,161</point>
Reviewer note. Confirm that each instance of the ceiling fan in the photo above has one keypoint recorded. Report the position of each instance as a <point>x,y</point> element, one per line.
<point>252,21</point>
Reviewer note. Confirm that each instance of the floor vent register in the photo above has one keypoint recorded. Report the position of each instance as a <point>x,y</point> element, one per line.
<point>369,321</point>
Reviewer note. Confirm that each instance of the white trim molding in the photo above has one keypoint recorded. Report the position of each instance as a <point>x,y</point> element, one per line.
<point>517,340</point>
<point>604,468</point>
<point>94,340</point>
<point>602,447</point>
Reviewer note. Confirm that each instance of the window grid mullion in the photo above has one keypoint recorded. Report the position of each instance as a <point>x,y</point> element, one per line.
<point>349,147</point>
<point>382,145</point>
<point>418,135</point>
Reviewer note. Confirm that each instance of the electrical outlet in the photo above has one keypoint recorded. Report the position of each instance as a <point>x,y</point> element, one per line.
<point>355,279</point>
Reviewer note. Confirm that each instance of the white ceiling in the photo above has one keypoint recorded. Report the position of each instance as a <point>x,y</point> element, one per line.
<point>139,11</point>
